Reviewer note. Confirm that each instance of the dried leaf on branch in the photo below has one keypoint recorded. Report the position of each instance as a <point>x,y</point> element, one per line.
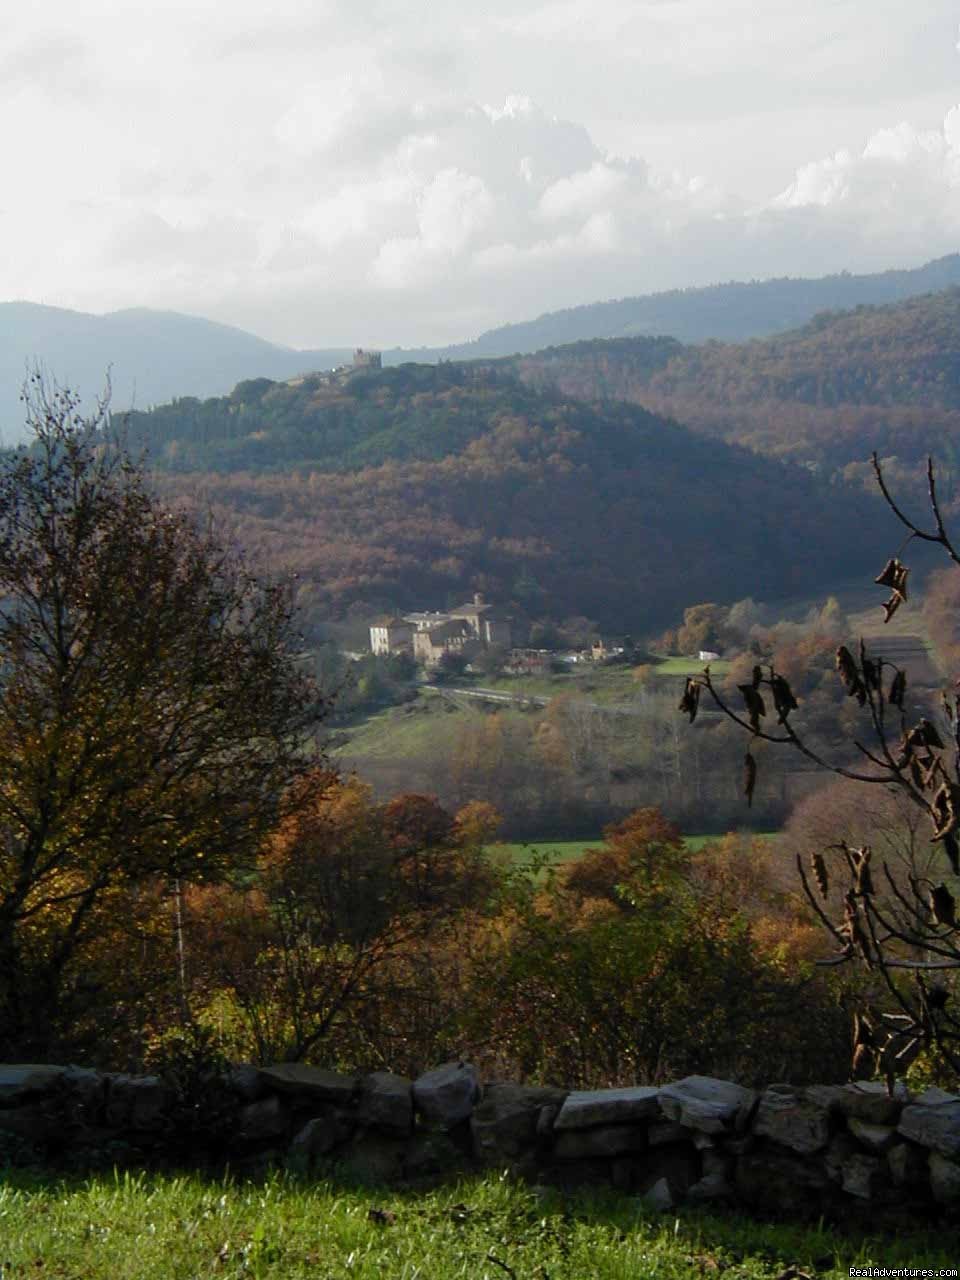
<point>749,777</point>
<point>783,698</point>
<point>864,1048</point>
<point>853,929</point>
<point>898,687</point>
<point>862,879</point>
<point>919,744</point>
<point>850,676</point>
<point>943,906</point>
<point>894,575</point>
<point>951,847</point>
<point>870,669</point>
<point>690,702</point>
<point>943,811</point>
<point>818,865</point>
<point>756,707</point>
<point>935,997</point>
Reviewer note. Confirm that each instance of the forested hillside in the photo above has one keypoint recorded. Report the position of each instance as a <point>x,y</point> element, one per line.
<point>877,378</point>
<point>411,486</point>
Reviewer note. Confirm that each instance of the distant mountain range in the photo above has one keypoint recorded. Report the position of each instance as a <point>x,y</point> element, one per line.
<point>150,356</point>
<point>728,312</point>
<point>155,356</point>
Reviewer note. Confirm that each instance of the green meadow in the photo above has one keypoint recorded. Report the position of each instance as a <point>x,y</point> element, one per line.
<point>685,666</point>
<point>552,852</point>
<point>124,1227</point>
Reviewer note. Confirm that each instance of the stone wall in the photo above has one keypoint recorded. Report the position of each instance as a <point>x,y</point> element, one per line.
<point>838,1151</point>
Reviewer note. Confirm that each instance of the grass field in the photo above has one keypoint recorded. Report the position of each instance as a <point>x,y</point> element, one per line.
<point>551,852</point>
<point>697,842</point>
<point>689,667</point>
<point>146,1228</point>
<point>402,732</point>
<point>598,684</point>
<point>410,731</point>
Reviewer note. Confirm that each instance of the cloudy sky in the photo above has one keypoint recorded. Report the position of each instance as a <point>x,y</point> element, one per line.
<point>387,171</point>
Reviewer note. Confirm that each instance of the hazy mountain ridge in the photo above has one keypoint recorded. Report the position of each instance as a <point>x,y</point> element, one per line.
<point>154,356</point>
<point>149,356</point>
<point>728,312</point>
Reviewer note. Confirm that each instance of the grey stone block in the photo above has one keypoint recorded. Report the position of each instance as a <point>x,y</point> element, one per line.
<point>511,1119</point>
<point>934,1124</point>
<point>260,1121</point>
<point>791,1118</point>
<point>585,1144</point>
<point>386,1101</point>
<point>706,1104</point>
<point>309,1084</point>
<point>868,1100</point>
<point>878,1137</point>
<point>447,1095</point>
<point>944,1180</point>
<point>907,1164</point>
<point>658,1197</point>
<point>22,1081</point>
<point>587,1108</point>
<point>139,1103</point>
<point>862,1176</point>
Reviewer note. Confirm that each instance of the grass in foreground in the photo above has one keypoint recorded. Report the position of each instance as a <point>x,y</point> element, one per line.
<point>152,1228</point>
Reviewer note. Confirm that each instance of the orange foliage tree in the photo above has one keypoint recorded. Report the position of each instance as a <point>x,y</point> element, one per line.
<point>348,893</point>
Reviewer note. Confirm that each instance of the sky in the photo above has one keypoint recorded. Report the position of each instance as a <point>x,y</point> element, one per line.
<point>387,172</point>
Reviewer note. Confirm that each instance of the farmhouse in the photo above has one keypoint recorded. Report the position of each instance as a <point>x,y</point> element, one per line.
<point>430,635</point>
<point>602,648</point>
<point>432,643</point>
<point>391,635</point>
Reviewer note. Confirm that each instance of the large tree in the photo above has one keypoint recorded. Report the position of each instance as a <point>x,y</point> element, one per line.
<point>153,712</point>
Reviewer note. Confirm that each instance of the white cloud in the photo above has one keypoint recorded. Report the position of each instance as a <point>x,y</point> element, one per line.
<point>454,207</point>
<point>325,172</point>
<point>901,189</point>
<point>584,193</point>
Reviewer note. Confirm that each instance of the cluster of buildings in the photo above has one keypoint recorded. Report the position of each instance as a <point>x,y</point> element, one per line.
<point>362,360</point>
<point>428,636</point>
<point>469,629</point>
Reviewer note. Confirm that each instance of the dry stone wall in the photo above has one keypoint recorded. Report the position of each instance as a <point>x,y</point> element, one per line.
<point>838,1151</point>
